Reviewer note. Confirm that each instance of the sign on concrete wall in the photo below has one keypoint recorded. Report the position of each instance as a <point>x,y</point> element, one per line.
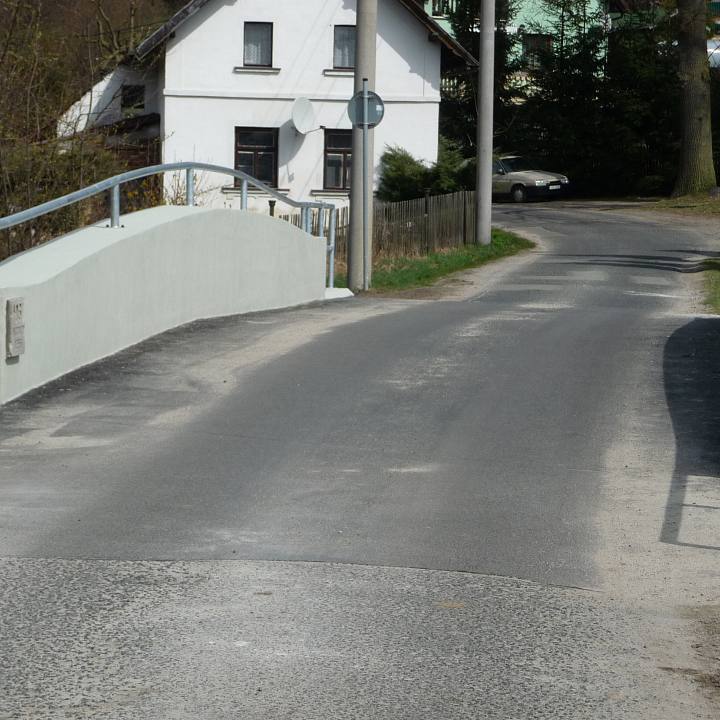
<point>15,324</point>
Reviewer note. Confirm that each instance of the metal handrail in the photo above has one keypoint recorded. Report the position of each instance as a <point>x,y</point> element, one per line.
<point>113,186</point>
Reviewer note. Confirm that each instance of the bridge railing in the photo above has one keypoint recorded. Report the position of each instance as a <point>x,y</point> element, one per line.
<point>112,185</point>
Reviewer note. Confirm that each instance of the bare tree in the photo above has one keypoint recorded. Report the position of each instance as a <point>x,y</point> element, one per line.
<point>696,173</point>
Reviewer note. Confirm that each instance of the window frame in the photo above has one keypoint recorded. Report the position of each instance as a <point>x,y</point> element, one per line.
<point>256,149</point>
<point>272,44</point>
<point>533,55</point>
<point>127,90</point>
<point>346,172</point>
<point>334,47</point>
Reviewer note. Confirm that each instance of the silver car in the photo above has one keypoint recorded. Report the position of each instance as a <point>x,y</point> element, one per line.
<point>517,178</point>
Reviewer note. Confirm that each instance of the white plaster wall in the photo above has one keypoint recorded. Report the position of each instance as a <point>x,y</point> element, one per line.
<point>96,291</point>
<point>205,100</point>
<point>204,131</point>
<point>206,49</point>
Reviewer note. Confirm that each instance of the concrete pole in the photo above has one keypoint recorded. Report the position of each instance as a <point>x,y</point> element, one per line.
<point>365,45</point>
<point>486,98</point>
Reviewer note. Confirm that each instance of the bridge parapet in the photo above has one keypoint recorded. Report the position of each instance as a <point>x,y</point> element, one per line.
<point>92,292</point>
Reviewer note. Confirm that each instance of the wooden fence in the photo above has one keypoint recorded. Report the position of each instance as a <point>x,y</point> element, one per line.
<point>410,228</point>
<point>416,227</point>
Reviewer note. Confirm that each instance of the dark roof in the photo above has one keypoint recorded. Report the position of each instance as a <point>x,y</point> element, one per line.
<point>434,28</point>
<point>132,124</point>
<point>437,31</point>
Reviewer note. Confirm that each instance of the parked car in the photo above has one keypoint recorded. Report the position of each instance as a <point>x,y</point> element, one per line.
<point>518,178</point>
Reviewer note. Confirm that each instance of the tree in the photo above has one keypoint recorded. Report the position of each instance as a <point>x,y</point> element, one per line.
<point>696,171</point>
<point>50,54</point>
<point>458,116</point>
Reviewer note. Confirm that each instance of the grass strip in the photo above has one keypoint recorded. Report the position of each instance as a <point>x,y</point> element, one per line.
<point>405,273</point>
<point>702,204</point>
<point>712,284</point>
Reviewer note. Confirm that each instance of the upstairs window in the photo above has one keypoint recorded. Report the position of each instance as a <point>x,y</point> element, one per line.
<point>535,48</point>
<point>132,100</point>
<point>344,47</point>
<point>338,159</point>
<point>258,44</point>
<point>442,8</point>
<point>256,153</point>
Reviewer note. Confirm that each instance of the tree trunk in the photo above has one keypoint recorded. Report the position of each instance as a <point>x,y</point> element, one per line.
<point>697,173</point>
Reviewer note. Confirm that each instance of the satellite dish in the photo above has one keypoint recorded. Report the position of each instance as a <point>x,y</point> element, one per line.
<point>303,116</point>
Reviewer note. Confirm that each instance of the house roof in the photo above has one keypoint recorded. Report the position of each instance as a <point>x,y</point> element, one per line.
<point>180,17</point>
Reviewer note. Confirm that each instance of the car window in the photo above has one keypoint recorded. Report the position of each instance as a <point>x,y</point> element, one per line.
<point>497,167</point>
<point>518,164</point>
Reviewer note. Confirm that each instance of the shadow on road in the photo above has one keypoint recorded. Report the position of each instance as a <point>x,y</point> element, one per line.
<point>665,263</point>
<point>691,367</point>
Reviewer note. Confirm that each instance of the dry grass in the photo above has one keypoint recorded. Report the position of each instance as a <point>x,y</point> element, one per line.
<point>712,284</point>
<point>688,205</point>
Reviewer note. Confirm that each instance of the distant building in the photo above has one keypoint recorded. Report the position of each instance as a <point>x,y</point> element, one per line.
<point>532,23</point>
<point>713,44</point>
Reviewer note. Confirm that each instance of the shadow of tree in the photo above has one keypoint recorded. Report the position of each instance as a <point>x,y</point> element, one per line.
<point>691,369</point>
<point>663,263</point>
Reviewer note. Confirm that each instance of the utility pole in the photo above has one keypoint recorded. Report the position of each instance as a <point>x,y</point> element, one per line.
<point>365,56</point>
<point>486,98</point>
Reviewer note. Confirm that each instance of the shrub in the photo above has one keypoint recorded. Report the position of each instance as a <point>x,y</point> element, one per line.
<point>403,177</point>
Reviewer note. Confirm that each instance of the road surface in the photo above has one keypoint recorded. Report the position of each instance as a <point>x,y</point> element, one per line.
<point>499,499</point>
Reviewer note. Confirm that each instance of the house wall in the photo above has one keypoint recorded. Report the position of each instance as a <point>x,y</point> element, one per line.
<point>102,104</point>
<point>534,17</point>
<point>438,9</point>
<point>96,291</point>
<point>206,96</point>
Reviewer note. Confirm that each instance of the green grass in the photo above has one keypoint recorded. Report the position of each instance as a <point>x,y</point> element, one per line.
<point>712,284</point>
<point>405,273</point>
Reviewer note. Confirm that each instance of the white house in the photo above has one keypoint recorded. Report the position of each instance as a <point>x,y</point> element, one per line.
<point>217,84</point>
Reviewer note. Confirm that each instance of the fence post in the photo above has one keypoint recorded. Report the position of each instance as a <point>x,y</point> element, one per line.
<point>321,222</point>
<point>190,187</point>
<point>464,217</point>
<point>115,206</point>
<point>244,195</point>
<point>332,232</point>
<point>428,239</point>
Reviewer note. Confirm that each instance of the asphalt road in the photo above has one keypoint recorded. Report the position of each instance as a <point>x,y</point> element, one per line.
<point>502,502</point>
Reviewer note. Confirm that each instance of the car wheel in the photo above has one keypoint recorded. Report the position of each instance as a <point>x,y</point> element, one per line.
<point>518,194</point>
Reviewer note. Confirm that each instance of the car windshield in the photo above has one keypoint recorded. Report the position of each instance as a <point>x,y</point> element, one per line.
<point>518,164</point>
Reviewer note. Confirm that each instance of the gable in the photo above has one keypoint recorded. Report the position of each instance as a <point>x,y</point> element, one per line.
<point>158,37</point>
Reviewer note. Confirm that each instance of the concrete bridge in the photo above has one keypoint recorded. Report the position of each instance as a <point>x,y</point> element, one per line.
<point>101,289</point>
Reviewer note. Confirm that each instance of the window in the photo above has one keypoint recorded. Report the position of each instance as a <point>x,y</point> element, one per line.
<point>132,99</point>
<point>256,153</point>
<point>338,159</point>
<point>442,8</point>
<point>631,6</point>
<point>344,47</point>
<point>535,48</point>
<point>258,44</point>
